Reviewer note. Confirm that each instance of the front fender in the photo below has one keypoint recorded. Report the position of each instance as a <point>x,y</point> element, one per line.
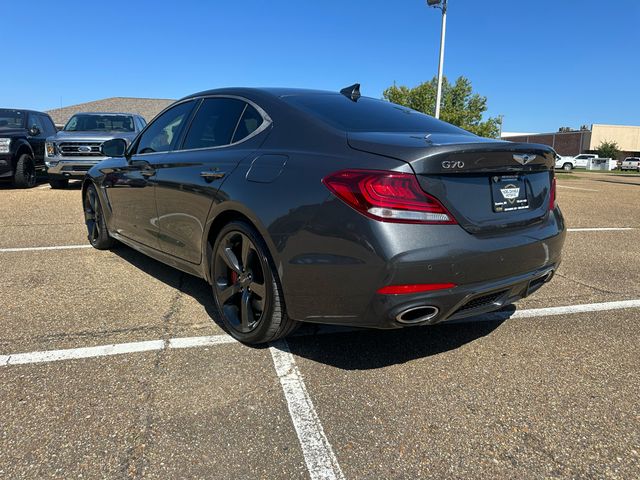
<point>18,146</point>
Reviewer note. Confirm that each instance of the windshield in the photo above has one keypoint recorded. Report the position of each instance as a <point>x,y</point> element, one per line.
<point>11,119</point>
<point>369,115</point>
<point>99,123</point>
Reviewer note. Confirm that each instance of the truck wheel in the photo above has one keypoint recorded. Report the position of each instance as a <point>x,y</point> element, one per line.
<point>24,175</point>
<point>94,219</point>
<point>567,166</point>
<point>57,184</point>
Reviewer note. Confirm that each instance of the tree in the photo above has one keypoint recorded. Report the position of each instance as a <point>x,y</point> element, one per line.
<point>460,106</point>
<point>608,149</point>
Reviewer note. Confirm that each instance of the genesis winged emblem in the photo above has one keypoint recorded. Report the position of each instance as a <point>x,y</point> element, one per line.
<point>524,158</point>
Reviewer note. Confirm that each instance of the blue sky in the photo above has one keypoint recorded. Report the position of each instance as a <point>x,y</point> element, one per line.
<point>542,64</point>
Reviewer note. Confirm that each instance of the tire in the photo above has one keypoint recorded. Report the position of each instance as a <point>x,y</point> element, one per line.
<point>97,232</point>
<point>246,288</point>
<point>24,175</point>
<point>567,167</point>
<point>59,184</point>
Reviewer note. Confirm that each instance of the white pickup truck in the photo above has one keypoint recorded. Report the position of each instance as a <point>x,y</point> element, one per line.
<point>631,163</point>
<point>565,163</point>
<point>579,161</point>
<point>582,159</point>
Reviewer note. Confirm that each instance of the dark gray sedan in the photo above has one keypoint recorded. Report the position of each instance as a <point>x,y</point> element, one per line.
<point>313,206</point>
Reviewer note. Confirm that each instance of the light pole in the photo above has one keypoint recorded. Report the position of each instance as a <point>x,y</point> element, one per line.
<point>442,5</point>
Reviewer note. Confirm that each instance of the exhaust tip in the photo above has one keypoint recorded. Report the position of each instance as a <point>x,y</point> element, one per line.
<point>417,314</point>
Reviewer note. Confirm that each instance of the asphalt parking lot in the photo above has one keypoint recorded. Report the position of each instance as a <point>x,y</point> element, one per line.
<point>111,367</point>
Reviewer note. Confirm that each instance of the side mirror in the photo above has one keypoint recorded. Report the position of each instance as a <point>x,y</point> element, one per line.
<point>114,148</point>
<point>34,131</point>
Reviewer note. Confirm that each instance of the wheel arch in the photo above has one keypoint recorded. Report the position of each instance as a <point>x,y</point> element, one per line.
<point>221,216</point>
<point>21,148</point>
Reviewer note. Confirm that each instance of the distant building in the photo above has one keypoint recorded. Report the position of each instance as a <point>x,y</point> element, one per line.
<point>585,141</point>
<point>147,107</point>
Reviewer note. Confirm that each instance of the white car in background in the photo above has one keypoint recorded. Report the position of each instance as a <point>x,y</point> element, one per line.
<point>631,163</point>
<point>582,159</point>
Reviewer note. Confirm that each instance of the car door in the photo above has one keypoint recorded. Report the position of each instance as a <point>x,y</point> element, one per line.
<point>222,133</point>
<point>37,141</point>
<point>131,189</point>
<point>581,161</point>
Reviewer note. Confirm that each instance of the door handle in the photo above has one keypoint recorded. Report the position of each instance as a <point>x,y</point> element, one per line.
<point>148,172</point>
<point>210,176</point>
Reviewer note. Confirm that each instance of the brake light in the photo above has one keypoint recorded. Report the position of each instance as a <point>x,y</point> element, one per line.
<point>414,288</point>
<point>387,196</point>
<point>552,194</point>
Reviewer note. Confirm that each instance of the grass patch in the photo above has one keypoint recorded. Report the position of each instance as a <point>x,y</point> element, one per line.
<point>565,176</point>
<point>610,172</point>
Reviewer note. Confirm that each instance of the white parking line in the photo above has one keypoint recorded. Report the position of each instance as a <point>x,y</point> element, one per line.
<point>205,341</point>
<point>578,188</point>
<point>84,352</point>
<point>599,229</point>
<point>37,249</point>
<point>318,455</point>
<point>588,307</point>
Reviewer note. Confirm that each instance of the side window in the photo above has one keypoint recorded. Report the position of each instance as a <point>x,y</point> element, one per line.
<point>214,123</point>
<point>35,120</point>
<point>248,124</point>
<point>163,133</point>
<point>49,127</point>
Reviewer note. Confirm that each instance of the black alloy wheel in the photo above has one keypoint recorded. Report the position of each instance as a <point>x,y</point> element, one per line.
<point>245,289</point>
<point>94,219</point>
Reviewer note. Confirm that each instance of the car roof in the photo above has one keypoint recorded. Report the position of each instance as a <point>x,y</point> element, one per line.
<point>24,110</point>
<point>272,91</point>
<point>107,113</point>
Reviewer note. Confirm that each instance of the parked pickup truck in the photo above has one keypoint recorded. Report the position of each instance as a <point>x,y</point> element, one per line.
<point>582,159</point>
<point>76,148</point>
<point>565,163</point>
<point>631,163</point>
<point>22,137</point>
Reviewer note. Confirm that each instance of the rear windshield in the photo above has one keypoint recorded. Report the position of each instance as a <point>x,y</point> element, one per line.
<point>100,123</point>
<point>368,115</point>
<point>11,119</point>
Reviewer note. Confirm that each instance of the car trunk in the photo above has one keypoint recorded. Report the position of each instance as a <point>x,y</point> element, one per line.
<point>488,185</point>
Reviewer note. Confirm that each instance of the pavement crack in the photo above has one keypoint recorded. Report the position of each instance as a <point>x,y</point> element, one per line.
<point>137,462</point>
<point>79,335</point>
<point>584,284</point>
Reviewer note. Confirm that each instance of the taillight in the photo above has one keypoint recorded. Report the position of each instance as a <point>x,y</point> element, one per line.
<point>552,194</point>
<point>414,288</point>
<point>387,196</point>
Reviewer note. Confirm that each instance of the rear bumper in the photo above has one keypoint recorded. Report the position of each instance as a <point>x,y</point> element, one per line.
<point>76,168</point>
<point>489,271</point>
<point>459,302</point>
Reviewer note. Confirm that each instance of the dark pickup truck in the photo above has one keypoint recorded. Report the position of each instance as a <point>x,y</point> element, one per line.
<point>22,138</point>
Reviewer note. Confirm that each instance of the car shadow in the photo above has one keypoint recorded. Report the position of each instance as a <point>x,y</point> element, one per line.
<point>345,348</point>
<point>620,182</point>
<point>372,349</point>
